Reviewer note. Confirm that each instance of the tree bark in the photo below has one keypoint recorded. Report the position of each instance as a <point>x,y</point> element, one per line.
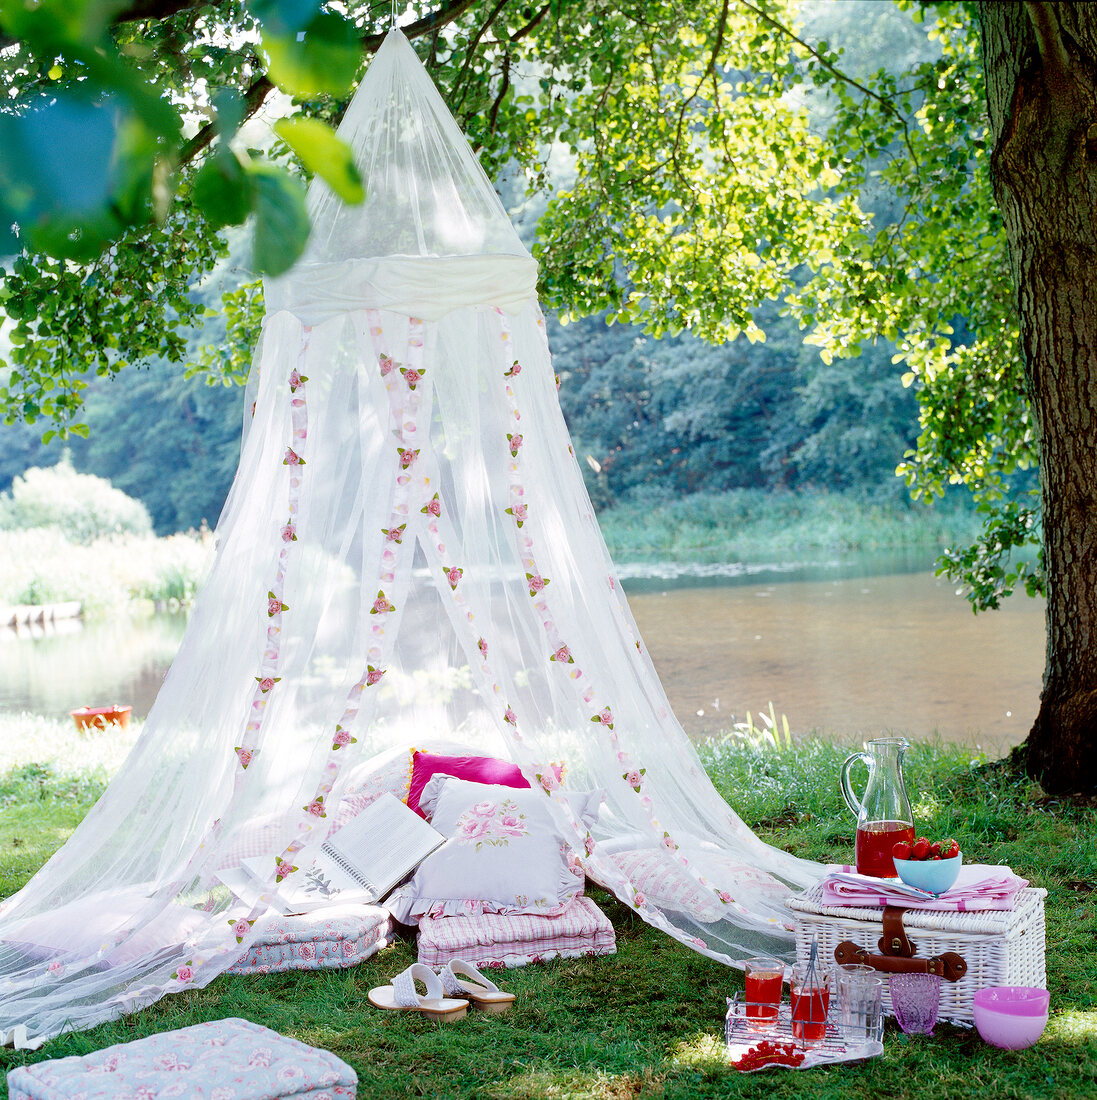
<point>1040,61</point>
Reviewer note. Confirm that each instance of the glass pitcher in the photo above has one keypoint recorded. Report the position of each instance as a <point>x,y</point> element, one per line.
<point>883,814</point>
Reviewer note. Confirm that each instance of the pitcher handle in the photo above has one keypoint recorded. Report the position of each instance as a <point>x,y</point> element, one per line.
<point>843,781</point>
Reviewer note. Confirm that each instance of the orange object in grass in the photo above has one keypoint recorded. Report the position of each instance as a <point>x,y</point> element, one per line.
<point>101,717</point>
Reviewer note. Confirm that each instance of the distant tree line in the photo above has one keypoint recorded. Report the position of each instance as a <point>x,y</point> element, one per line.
<point>666,417</point>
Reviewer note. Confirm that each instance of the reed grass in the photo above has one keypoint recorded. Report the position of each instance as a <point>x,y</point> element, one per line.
<point>41,566</point>
<point>754,524</point>
<point>647,1022</point>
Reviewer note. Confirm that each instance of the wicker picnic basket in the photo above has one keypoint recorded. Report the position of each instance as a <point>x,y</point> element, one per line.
<point>998,947</point>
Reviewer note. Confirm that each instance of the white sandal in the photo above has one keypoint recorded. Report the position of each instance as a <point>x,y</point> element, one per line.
<point>402,995</point>
<point>478,990</point>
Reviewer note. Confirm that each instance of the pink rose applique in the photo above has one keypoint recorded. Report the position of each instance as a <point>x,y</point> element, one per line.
<point>297,380</point>
<point>635,778</point>
<point>289,533</point>
<point>243,755</point>
<point>412,376</point>
<point>386,364</point>
<point>394,534</point>
<point>605,717</point>
<point>407,456</point>
<point>472,828</point>
<point>515,442</point>
<point>373,675</point>
<point>285,869</point>
<point>548,780</point>
<point>267,682</point>
<point>639,900</point>
<point>510,716</point>
<point>240,928</point>
<point>342,737</point>
<point>588,844</point>
<point>482,646</point>
<point>453,575</point>
<point>725,897</point>
<point>668,843</point>
<point>536,583</point>
<point>433,507</point>
<point>274,605</point>
<point>292,458</point>
<point>563,655</point>
<point>316,807</point>
<point>381,605</point>
<point>516,368</point>
<point>519,512</point>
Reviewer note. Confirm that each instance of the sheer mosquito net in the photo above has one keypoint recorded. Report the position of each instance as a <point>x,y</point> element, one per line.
<point>407,553</point>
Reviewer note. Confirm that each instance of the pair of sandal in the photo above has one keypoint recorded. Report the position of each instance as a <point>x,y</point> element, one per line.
<point>448,993</point>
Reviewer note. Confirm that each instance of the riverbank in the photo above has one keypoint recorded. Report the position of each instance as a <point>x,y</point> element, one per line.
<point>754,525</point>
<point>733,530</point>
<point>106,575</point>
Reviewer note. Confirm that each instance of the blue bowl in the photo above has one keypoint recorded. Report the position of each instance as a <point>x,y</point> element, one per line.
<point>934,875</point>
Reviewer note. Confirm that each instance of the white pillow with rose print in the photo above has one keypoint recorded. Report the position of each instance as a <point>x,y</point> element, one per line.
<point>504,854</point>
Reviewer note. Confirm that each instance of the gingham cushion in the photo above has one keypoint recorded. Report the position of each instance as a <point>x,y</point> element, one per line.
<point>495,939</point>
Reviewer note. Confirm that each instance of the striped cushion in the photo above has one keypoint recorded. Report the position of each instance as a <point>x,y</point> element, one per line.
<point>495,939</point>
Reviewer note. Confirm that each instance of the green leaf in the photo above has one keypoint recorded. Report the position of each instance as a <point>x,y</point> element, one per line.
<point>322,60</point>
<point>223,190</point>
<point>281,220</point>
<point>325,154</point>
<point>284,17</point>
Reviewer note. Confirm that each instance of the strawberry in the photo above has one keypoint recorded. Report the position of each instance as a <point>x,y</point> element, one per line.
<point>900,850</point>
<point>935,849</point>
<point>920,849</point>
<point>949,848</point>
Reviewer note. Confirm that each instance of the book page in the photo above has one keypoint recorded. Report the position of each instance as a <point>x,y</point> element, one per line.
<point>382,844</point>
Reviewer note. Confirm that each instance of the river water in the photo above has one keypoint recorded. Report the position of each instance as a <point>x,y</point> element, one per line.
<point>847,648</point>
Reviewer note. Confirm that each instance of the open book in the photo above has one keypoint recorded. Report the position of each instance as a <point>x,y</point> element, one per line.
<point>359,863</point>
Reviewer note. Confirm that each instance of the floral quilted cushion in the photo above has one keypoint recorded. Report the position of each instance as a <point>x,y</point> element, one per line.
<point>337,936</point>
<point>222,1060</point>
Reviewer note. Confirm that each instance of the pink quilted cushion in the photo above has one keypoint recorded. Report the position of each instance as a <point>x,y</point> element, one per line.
<point>476,769</point>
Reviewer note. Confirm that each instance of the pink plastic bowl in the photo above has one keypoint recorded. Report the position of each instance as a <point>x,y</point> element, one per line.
<point>1011,1016</point>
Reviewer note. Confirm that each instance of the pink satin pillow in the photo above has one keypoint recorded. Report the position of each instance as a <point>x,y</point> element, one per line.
<point>476,769</point>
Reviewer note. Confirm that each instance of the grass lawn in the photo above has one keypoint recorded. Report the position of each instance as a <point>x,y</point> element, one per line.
<point>647,1022</point>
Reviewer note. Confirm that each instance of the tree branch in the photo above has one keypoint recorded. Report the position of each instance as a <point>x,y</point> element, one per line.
<point>258,91</point>
<point>261,87</point>
<point>833,69</point>
<point>531,25</point>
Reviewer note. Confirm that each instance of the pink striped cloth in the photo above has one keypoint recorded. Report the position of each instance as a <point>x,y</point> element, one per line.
<point>496,939</point>
<point>978,887</point>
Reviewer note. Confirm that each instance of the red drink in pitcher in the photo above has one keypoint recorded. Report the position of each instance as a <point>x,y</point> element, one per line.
<point>809,1013</point>
<point>874,843</point>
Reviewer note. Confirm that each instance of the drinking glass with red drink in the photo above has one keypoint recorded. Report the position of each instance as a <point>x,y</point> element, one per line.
<point>810,998</point>
<point>763,986</point>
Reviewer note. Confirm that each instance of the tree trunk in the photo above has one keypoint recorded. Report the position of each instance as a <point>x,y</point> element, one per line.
<point>1041,67</point>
